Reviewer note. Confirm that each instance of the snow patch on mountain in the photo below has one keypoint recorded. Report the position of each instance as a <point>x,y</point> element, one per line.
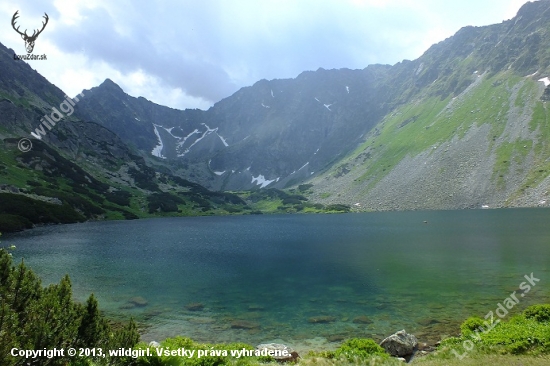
<point>545,80</point>
<point>180,144</point>
<point>157,150</point>
<point>327,106</point>
<point>223,140</point>
<point>219,173</point>
<point>347,89</point>
<point>265,106</point>
<point>272,93</point>
<point>204,134</point>
<point>261,181</point>
<point>303,166</point>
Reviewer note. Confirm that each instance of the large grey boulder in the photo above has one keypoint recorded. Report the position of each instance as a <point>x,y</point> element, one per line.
<point>400,344</point>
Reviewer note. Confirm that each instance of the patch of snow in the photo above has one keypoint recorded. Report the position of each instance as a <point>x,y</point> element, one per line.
<point>223,140</point>
<point>293,172</point>
<point>276,180</point>
<point>357,204</point>
<point>327,106</point>
<point>533,74</point>
<point>475,72</point>
<point>347,88</point>
<point>272,93</point>
<point>545,80</point>
<point>204,134</point>
<point>420,68</point>
<point>208,129</point>
<point>157,150</point>
<point>186,137</point>
<point>232,171</point>
<point>317,100</point>
<point>315,153</point>
<point>137,119</point>
<point>311,173</point>
<point>169,130</point>
<point>265,106</point>
<point>219,173</point>
<point>485,206</point>
<point>303,166</point>
<point>248,168</point>
<point>261,181</point>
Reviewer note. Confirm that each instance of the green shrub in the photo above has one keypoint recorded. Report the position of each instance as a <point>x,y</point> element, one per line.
<point>361,348</point>
<point>37,212</point>
<point>540,313</point>
<point>222,358</point>
<point>11,223</point>
<point>304,187</point>
<point>472,324</point>
<point>34,318</point>
<point>121,198</point>
<point>163,202</point>
<point>338,207</point>
<point>527,333</point>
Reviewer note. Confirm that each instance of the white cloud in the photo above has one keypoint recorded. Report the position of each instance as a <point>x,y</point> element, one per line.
<point>188,54</point>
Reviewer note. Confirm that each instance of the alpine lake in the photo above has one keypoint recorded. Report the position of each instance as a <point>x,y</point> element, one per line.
<point>309,281</point>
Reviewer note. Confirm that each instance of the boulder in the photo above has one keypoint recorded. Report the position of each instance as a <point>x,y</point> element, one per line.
<point>400,344</point>
<point>287,354</point>
<point>154,344</point>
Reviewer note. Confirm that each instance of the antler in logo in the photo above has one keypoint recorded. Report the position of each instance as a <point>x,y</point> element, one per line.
<point>29,40</point>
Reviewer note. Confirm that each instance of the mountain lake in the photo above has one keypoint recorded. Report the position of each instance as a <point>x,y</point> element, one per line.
<point>308,281</point>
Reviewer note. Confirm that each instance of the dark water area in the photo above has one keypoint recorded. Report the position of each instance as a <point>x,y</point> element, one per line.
<point>306,280</point>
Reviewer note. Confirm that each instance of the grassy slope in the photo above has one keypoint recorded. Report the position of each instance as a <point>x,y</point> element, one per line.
<point>429,122</point>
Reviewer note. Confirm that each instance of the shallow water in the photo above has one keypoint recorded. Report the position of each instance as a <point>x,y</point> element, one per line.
<point>306,280</point>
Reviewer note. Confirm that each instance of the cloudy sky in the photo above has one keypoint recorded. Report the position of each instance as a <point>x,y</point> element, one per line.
<point>191,53</point>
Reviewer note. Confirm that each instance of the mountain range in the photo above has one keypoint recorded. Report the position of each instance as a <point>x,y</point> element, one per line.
<point>463,126</point>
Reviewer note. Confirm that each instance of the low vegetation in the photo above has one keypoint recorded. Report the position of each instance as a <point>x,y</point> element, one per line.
<point>33,317</point>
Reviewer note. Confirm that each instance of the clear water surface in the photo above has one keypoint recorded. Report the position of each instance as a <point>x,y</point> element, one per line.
<point>306,280</point>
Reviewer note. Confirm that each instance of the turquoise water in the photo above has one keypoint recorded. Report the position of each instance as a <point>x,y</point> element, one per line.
<point>307,280</point>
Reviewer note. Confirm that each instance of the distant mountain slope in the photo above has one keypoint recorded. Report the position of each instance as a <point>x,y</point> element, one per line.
<point>477,135</point>
<point>464,125</point>
<point>284,132</point>
<point>272,133</point>
<point>80,170</point>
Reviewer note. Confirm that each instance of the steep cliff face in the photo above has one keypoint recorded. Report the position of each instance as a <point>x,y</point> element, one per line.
<point>272,133</point>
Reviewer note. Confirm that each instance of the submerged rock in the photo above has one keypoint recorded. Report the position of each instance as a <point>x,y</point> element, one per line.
<point>400,344</point>
<point>323,319</point>
<point>362,319</point>
<point>194,306</point>
<point>255,307</point>
<point>336,337</point>
<point>138,301</point>
<point>292,355</point>
<point>244,324</point>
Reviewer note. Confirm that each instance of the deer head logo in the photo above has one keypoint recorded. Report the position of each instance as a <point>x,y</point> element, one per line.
<point>29,40</point>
